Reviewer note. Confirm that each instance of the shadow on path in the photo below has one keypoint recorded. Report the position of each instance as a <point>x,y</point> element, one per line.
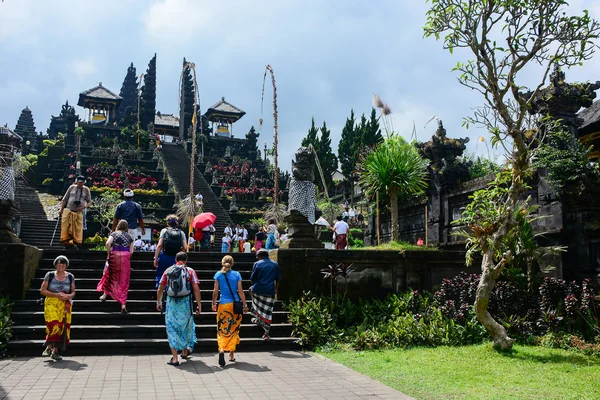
<point>576,359</point>
<point>281,354</point>
<point>65,364</point>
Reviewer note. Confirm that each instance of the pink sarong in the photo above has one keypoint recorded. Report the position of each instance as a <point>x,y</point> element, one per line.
<point>115,279</point>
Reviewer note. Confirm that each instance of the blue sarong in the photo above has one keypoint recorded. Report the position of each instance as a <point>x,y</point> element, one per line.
<point>181,329</point>
<point>270,245</point>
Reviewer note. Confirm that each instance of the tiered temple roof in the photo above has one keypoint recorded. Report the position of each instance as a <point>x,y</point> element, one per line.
<point>223,110</point>
<point>98,95</point>
<point>25,126</point>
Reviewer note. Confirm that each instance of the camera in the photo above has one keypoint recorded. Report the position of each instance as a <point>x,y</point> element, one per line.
<point>77,202</point>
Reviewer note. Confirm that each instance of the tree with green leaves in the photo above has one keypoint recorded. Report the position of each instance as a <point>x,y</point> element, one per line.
<point>327,158</point>
<point>504,38</point>
<point>148,96</point>
<point>127,111</point>
<point>371,133</point>
<point>187,99</point>
<point>311,136</point>
<point>394,167</point>
<point>346,148</point>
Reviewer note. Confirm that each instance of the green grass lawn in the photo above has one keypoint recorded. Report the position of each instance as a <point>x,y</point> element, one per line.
<point>479,372</point>
<point>398,246</point>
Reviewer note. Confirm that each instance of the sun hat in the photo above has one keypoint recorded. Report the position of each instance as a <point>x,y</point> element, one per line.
<point>128,193</point>
<point>61,258</point>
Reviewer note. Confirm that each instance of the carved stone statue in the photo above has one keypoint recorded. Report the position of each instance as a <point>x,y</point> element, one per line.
<point>120,160</point>
<point>155,154</point>
<point>170,191</point>
<point>302,203</point>
<point>228,152</point>
<point>252,180</point>
<point>207,169</point>
<point>233,206</point>
<point>215,177</point>
<point>258,156</point>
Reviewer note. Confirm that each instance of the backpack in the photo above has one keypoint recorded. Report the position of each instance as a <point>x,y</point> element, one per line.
<point>172,241</point>
<point>178,283</point>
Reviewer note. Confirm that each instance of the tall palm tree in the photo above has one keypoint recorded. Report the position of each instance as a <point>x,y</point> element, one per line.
<point>394,166</point>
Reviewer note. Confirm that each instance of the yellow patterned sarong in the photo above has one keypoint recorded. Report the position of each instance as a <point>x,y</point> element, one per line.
<point>228,327</point>
<point>57,314</point>
<point>71,227</point>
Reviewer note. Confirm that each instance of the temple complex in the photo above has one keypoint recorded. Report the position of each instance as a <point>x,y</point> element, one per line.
<point>26,129</point>
<point>101,103</point>
<point>222,115</point>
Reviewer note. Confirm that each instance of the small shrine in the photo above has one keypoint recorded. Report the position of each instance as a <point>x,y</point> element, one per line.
<point>101,103</point>
<point>166,126</point>
<point>223,115</point>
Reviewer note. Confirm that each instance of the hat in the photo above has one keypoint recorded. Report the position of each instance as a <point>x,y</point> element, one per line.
<point>128,193</point>
<point>61,258</point>
<point>262,250</point>
<point>80,178</point>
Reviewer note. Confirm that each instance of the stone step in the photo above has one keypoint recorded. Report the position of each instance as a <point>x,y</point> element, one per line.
<point>95,332</point>
<point>133,294</point>
<point>96,273</point>
<point>134,284</point>
<point>78,347</point>
<point>113,316</point>
<point>148,305</point>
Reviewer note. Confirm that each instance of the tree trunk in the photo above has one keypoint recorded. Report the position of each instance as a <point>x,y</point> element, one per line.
<point>394,208</point>
<point>482,299</point>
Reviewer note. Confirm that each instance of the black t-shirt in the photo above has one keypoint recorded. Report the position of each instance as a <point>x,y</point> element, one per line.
<point>260,236</point>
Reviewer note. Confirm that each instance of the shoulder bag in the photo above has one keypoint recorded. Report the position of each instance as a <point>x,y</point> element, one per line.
<point>238,307</point>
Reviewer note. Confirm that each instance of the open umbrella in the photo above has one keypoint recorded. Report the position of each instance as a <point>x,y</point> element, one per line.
<point>203,220</point>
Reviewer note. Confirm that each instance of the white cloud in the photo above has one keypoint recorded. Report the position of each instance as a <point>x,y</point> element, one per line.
<point>82,68</point>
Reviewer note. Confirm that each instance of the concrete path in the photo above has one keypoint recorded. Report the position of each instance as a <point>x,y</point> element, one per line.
<point>266,375</point>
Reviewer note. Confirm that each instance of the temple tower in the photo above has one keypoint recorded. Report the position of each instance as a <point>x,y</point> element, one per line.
<point>26,129</point>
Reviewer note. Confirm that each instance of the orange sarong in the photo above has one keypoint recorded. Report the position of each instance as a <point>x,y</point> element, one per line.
<point>228,327</point>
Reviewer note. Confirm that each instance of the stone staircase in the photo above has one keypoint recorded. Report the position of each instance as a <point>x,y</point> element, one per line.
<point>177,162</point>
<point>100,329</point>
<point>36,229</point>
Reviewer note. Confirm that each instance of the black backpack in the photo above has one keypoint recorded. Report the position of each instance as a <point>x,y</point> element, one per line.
<point>172,241</point>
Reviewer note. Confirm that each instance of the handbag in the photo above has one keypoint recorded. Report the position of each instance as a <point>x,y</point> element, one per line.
<point>238,307</point>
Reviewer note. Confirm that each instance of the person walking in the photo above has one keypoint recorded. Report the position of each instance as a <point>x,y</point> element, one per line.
<point>229,284</point>
<point>171,241</point>
<point>272,235</point>
<point>58,287</point>
<point>205,242</point>
<point>225,244</point>
<point>259,239</point>
<point>131,212</point>
<point>228,230</point>
<point>341,233</point>
<point>76,199</point>
<point>180,281</point>
<point>115,279</point>
<point>265,280</point>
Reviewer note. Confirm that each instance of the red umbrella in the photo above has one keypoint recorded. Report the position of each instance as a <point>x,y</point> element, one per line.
<point>203,220</point>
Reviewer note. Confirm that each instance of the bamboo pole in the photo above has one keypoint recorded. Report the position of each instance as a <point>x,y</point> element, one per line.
<point>426,226</point>
<point>378,223</point>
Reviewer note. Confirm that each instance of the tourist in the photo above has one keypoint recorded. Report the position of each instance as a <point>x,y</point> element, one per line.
<point>131,212</point>
<point>346,214</point>
<point>352,216</point>
<point>265,280</point>
<point>272,235</point>
<point>152,247</point>
<point>228,230</point>
<point>180,281</point>
<point>234,243</point>
<point>229,283</point>
<point>59,289</point>
<point>139,243</point>
<point>247,247</point>
<point>171,241</point>
<point>259,238</point>
<point>191,242</point>
<point>284,236</point>
<point>226,244</point>
<point>205,242</point>
<point>244,232</point>
<point>74,202</point>
<point>199,201</point>
<point>115,279</point>
<point>341,233</point>
<point>239,233</point>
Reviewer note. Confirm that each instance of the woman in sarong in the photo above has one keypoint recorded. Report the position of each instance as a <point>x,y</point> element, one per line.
<point>59,289</point>
<point>259,239</point>
<point>179,318</point>
<point>271,233</point>
<point>115,279</point>
<point>229,283</point>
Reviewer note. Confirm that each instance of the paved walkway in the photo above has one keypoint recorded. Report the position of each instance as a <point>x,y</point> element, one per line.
<point>267,375</point>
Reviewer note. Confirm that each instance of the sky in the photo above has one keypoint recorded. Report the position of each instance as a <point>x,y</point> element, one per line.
<point>329,56</point>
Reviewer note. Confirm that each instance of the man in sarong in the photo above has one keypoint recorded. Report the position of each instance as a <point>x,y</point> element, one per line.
<point>265,279</point>
<point>76,199</point>
<point>340,229</point>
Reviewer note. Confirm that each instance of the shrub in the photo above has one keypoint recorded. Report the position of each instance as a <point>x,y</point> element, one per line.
<point>5,324</point>
<point>47,182</point>
<point>96,239</point>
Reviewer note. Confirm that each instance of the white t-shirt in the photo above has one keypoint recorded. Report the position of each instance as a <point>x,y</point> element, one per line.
<point>245,234</point>
<point>138,243</point>
<point>228,231</point>
<point>352,213</point>
<point>341,228</point>
<point>226,239</point>
<point>247,247</point>
<point>191,240</point>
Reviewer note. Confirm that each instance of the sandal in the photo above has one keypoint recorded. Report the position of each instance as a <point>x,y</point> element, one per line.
<point>175,364</point>
<point>222,359</point>
<point>124,311</point>
<point>102,299</point>
<point>188,353</point>
<point>47,352</point>
<point>266,337</point>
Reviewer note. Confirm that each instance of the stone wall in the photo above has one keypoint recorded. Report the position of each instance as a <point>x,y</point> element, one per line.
<point>375,273</point>
<point>19,268</point>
